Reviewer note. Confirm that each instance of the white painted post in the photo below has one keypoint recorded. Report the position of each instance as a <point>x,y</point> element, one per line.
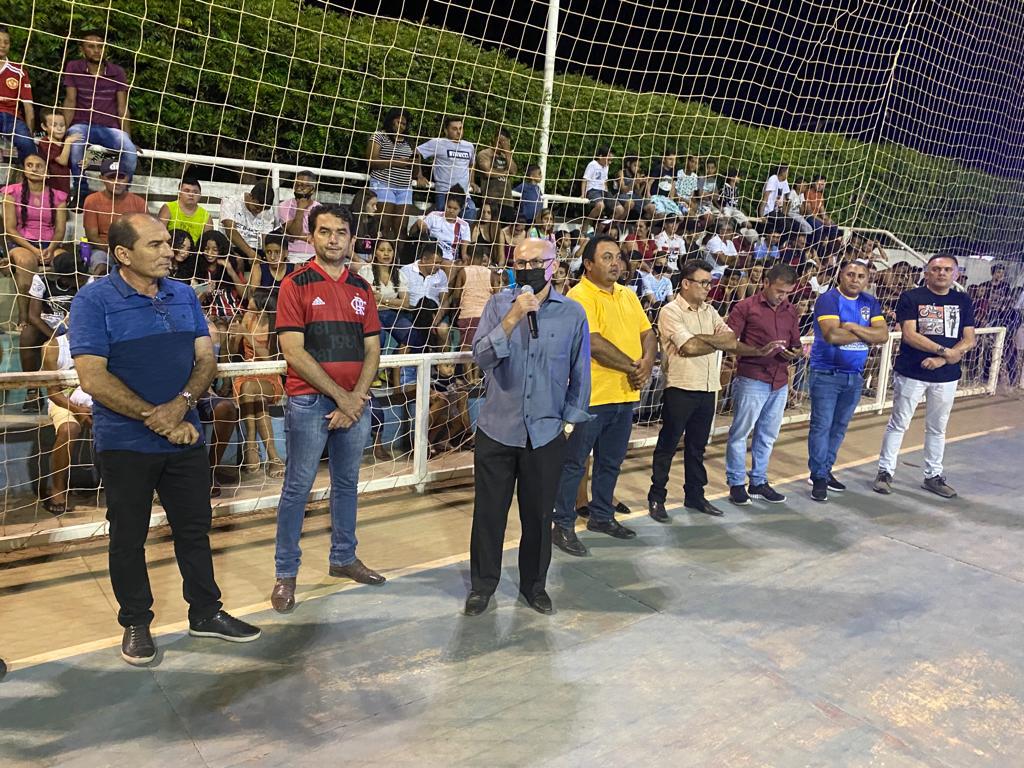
<point>550,48</point>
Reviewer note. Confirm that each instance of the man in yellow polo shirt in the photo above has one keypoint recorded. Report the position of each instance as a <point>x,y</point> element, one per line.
<point>622,349</point>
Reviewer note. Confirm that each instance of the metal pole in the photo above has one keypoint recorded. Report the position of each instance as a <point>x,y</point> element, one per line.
<point>550,47</point>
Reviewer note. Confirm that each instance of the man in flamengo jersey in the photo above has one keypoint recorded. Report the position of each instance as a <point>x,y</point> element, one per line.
<point>329,332</point>
<point>847,322</point>
<point>937,322</point>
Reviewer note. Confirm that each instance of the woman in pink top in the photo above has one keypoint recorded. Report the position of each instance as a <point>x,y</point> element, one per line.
<point>35,217</point>
<point>474,284</point>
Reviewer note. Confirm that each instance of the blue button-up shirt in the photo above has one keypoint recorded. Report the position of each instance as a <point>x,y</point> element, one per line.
<point>534,386</point>
<point>149,344</point>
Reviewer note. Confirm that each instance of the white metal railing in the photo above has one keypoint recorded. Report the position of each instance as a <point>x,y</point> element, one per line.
<point>420,474</point>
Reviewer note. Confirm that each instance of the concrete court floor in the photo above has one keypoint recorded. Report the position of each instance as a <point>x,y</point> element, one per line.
<point>867,632</point>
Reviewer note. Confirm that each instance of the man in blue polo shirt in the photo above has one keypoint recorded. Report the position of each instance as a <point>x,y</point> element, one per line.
<point>143,351</point>
<point>847,321</point>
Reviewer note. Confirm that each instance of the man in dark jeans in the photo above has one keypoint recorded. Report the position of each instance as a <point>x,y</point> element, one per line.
<point>143,351</point>
<point>622,348</point>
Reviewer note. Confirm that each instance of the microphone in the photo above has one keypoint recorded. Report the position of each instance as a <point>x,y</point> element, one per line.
<point>531,317</point>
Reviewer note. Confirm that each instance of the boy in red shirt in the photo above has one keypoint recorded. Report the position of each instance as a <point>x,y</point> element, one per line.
<point>56,149</point>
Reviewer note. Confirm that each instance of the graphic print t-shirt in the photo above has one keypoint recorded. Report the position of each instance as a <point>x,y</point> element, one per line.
<point>942,319</point>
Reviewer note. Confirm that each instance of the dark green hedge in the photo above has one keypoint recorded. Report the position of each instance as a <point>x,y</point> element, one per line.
<point>268,81</point>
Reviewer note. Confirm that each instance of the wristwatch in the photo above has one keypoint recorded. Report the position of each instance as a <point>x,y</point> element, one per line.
<point>190,401</point>
<point>568,429</point>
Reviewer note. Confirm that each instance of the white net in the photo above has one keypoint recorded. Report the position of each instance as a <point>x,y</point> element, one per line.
<point>896,125</point>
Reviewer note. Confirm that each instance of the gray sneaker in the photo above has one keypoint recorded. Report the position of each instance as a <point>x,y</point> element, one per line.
<point>883,483</point>
<point>937,485</point>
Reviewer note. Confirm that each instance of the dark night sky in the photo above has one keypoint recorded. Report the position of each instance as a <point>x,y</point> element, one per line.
<point>914,72</point>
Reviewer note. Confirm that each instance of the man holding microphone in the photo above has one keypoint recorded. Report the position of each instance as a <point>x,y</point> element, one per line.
<point>534,349</point>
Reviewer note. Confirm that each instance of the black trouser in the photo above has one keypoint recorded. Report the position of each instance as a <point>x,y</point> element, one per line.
<point>689,413</point>
<point>182,479</point>
<point>533,473</point>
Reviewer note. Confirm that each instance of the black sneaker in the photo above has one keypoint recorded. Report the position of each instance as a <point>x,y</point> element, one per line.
<point>738,495</point>
<point>939,487</point>
<point>224,626</point>
<point>567,541</point>
<point>833,484</point>
<point>819,491</point>
<point>765,492</point>
<point>137,646</point>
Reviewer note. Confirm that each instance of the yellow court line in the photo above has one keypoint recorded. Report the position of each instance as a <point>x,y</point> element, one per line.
<point>327,590</point>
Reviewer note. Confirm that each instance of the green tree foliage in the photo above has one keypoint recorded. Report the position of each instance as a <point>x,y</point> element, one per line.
<point>272,80</point>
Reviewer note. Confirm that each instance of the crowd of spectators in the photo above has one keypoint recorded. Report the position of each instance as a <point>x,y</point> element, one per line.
<point>431,271</point>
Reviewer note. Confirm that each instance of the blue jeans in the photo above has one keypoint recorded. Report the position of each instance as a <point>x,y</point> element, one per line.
<point>755,407</point>
<point>20,137</point>
<point>111,138</point>
<point>306,434</point>
<point>607,435</point>
<point>834,397</point>
<point>468,211</point>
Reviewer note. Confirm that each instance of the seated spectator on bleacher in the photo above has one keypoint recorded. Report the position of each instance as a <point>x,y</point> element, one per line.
<point>662,168</point>
<point>795,251</point>
<point>993,300</point>
<point>721,248</point>
<point>270,269</point>
<point>798,206</point>
<point>186,213</point>
<point>671,243</point>
<point>657,285</point>
<point>294,215</point>
<point>639,241</point>
<point>687,181</point>
<point>184,256</point>
<point>545,228</point>
<point>423,289</point>
<point>632,188</point>
<point>15,101</point>
<point>824,229</point>
<point>34,218</point>
<point>452,157</point>
<point>364,210</point>
<point>101,209</point>
<point>634,272</point>
<point>775,200</point>
<point>449,426</point>
<point>70,410</point>
<point>511,236</point>
<point>96,107</point>
<point>707,186</point>
<point>50,298</point>
<point>726,291</point>
<point>447,228</point>
<point>729,202</point>
<point>391,162</point>
<point>495,169</point>
<point>473,285</point>
<point>55,148</point>
<point>531,196</point>
<point>253,340</point>
<point>594,187</point>
<point>561,280</point>
<point>488,233</point>
<point>218,284</point>
<point>382,275</point>
<point>246,218</point>
<point>662,203</point>
<point>767,248</point>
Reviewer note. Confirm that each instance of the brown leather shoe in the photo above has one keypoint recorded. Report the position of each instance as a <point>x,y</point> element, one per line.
<point>357,572</point>
<point>283,597</point>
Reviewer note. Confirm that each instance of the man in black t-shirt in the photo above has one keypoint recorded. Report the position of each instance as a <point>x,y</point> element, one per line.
<point>938,329</point>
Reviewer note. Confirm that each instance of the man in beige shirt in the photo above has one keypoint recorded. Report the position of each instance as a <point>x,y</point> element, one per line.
<point>691,333</point>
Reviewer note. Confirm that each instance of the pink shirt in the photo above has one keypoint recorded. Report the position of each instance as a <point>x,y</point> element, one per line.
<point>298,250</point>
<point>35,221</point>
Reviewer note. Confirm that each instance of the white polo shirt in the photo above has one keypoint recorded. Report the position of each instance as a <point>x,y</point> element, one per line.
<point>412,281</point>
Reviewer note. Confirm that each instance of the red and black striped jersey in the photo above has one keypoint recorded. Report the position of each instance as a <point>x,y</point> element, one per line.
<point>334,316</point>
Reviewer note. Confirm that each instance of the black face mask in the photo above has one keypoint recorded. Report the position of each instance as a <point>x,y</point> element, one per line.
<point>535,278</point>
<point>659,268</point>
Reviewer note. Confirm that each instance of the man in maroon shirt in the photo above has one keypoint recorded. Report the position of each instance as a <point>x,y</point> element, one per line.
<point>329,332</point>
<point>96,106</point>
<point>767,328</point>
